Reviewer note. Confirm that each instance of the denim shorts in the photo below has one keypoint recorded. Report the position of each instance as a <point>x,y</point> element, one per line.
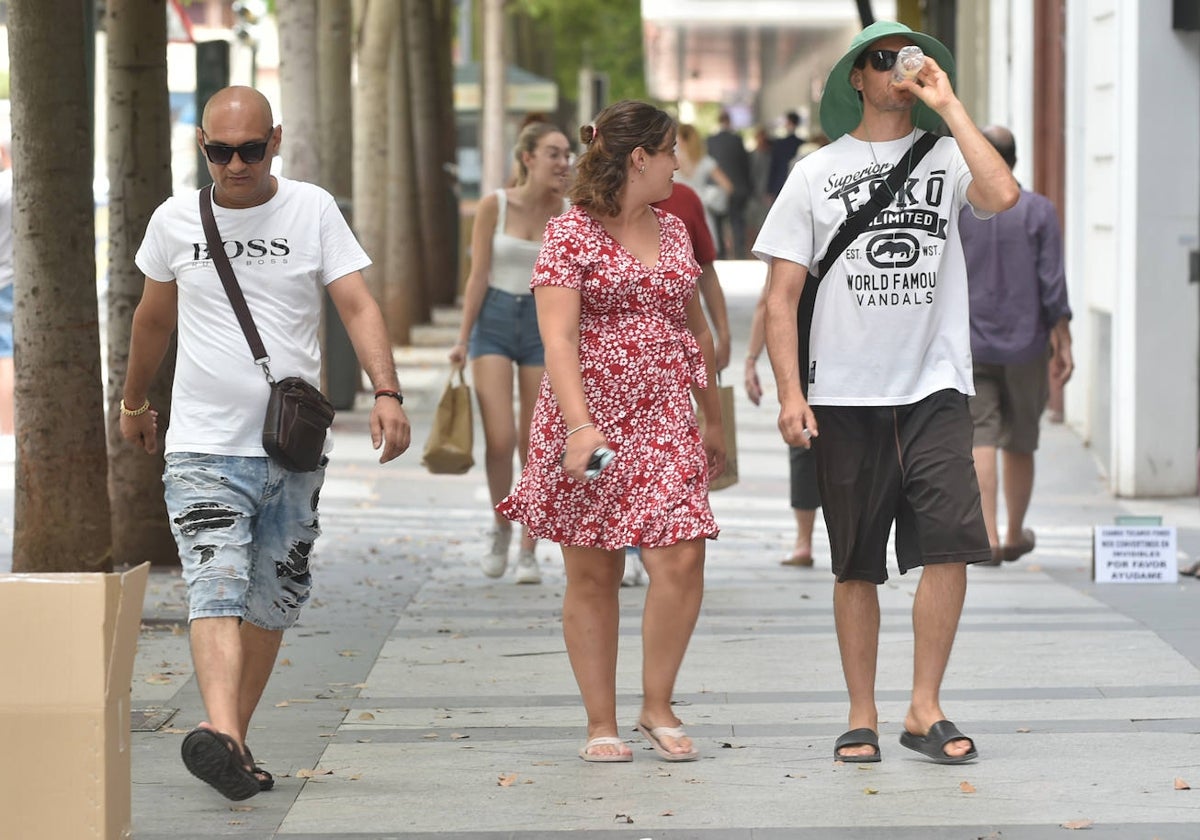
<point>6,318</point>
<point>245,528</point>
<point>507,326</point>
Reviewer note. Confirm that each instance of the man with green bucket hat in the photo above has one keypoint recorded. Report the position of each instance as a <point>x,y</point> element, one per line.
<point>879,388</point>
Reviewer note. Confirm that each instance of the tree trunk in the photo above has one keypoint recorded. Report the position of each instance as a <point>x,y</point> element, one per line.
<point>139,175</point>
<point>335,114</point>
<point>405,293</point>
<point>433,186</point>
<point>61,509</point>
<point>371,137</point>
<point>448,137</point>
<point>491,128</point>
<point>298,89</point>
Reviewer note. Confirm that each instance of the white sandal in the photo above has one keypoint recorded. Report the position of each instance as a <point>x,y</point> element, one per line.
<point>604,741</point>
<point>655,736</point>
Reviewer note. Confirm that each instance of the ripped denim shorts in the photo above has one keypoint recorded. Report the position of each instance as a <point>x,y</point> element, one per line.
<point>245,528</point>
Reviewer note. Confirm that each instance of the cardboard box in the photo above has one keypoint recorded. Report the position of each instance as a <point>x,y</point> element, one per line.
<point>67,643</point>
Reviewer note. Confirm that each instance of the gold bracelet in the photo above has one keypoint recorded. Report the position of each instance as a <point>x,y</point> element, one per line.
<point>135,412</point>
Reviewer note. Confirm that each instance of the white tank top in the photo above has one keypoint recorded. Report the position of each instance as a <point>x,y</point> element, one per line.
<point>512,257</point>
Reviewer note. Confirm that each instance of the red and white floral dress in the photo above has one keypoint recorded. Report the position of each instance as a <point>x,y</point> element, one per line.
<point>638,361</point>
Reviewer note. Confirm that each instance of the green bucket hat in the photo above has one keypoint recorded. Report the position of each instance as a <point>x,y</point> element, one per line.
<point>841,109</point>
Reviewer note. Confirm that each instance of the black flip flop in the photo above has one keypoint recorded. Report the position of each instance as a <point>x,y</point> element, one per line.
<point>215,758</point>
<point>265,780</point>
<point>857,738</point>
<point>933,744</point>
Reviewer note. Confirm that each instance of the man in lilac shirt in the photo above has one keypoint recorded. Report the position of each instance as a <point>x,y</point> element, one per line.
<point>1019,319</point>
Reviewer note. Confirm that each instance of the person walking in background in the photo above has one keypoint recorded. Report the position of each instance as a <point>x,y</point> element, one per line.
<point>783,151</point>
<point>760,171</point>
<point>1019,316</point>
<point>699,171</point>
<point>499,321</point>
<point>802,468</point>
<point>245,526</point>
<point>888,361</point>
<point>685,203</point>
<point>626,341</point>
<point>729,151</point>
<point>7,275</point>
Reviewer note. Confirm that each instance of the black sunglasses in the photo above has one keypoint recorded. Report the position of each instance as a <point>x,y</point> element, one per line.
<point>221,155</point>
<point>883,60</point>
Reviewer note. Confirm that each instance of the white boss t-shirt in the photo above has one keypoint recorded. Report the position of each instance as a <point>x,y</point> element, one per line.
<point>283,253</point>
<point>891,322</point>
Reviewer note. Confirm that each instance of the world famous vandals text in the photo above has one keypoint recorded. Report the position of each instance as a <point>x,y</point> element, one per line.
<point>894,262</point>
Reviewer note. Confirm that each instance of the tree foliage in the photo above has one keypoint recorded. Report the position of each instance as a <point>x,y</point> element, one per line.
<point>607,34</point>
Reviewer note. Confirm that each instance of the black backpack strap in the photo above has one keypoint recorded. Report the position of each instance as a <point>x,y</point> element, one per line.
<point>850,230</point>
<point>216,252</point>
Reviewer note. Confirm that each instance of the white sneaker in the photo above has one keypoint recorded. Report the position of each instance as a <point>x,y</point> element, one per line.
<point>633,567</point>
<point>495,562</point>
<point>527,567</point>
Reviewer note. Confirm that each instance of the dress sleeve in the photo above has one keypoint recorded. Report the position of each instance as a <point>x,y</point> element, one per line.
<point>558,262</point>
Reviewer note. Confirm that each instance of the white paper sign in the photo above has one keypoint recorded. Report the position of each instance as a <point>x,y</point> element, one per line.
<point>1135,554</point>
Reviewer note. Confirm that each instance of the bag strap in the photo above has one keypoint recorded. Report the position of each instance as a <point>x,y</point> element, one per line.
<point>850,230</point>
<point>216,252</point>
<point>880,198</point>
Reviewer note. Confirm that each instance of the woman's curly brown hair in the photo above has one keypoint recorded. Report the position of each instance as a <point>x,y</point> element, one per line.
<point>603,167</point>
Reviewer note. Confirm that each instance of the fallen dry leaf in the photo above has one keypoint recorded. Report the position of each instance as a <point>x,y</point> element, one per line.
<point>347,653</point>
<point>282,704</point>
<point>458,736</point>
<point>362,740</point>
<point>308,774</point>
<point>366,716</point>
<point>430,735</point>
<point>356,777</point>
<point>1180,784</point>
<point>285,662</point>
<point>623,818</point>
<point>1024,729</point>
<point>725,745</point>
<point>1076,825</point>
<point>158,679</point>
<point>507,779</point>
<point>241,807</point>
<point>667,814</point>
<point>870,791</point>
<point>966,787</point>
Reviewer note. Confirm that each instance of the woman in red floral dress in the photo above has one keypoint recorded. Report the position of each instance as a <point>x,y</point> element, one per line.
<point>626,345</point>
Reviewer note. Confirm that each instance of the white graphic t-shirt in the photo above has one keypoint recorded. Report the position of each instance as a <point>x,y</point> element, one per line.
<point>283,253</point>
<point>891,321</point>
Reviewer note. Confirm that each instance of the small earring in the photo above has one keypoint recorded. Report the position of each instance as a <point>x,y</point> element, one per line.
<point>642,171</point>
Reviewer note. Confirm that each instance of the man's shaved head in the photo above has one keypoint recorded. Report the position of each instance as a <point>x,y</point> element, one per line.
<point>237,117</point>
<point>1003,142</point>
<point>243,103</point>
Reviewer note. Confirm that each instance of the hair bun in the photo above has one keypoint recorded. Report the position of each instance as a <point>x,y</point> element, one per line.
<point>587,133</point>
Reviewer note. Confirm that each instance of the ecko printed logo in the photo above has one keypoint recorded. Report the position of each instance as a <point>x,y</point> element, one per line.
<point>893,250</point>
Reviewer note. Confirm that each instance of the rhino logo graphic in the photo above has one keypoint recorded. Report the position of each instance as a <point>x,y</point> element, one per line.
<point>893,250</point>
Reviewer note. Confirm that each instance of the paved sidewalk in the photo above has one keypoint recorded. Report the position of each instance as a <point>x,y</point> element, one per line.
<point>419,700</point>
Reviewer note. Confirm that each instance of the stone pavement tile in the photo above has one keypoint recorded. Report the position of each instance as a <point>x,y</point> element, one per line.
<point>531,784</point>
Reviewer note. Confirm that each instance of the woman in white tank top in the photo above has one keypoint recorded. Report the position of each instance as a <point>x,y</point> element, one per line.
<point>499,323</point>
